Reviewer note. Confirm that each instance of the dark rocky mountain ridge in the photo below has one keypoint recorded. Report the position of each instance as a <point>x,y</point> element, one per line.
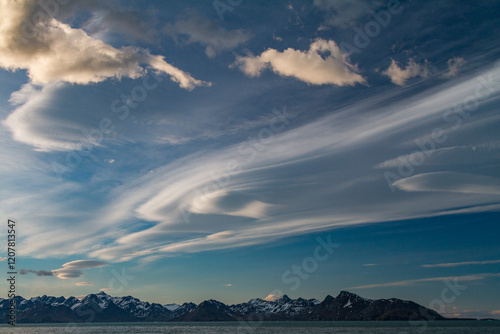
<point>102,307</point>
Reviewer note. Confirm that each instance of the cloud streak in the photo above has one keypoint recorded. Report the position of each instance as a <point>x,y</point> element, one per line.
<point>74,269</point>
<point>458,264</point>
<point>36,272</point>
<point>466,278</point>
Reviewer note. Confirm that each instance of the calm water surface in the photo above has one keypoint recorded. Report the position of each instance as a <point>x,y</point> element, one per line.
<point>438,327</point>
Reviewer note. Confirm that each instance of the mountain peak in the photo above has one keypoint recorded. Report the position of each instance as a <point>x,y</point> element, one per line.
<point>347,306</point>
<point>346,294</point>
<point>284,298</point>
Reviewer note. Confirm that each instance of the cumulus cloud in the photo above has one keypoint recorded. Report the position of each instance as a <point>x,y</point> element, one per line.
<point>209,33</point>
<point>53,51</point>
<point>324,63</point>
<point>454,66</point>
<point>74,269</point>
<point>399,75</point>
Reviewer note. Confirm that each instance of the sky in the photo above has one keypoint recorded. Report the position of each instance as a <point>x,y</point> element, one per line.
<point>192,150</point>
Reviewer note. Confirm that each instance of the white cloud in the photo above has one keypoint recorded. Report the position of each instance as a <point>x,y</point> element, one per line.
<point>209,33</point>
<point>399,75</point>
<point>53,51</point>
<point>457,264</point>
<point>200,187</point>
<point>467,278</point>
<point>74,269</point>
<point>84,283</point>
<point>450,182</point>
<point>324,63</point>
<point>293,174</point>
<point>220,235</point>
<point>84,264</point>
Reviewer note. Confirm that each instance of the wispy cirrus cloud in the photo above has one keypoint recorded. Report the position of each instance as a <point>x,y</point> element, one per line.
<point>458,264</point>
<point>84,283</point>
<point>202,187</point>
<point>209,33</point>
<point>344,13</point>
<point>466,278</point>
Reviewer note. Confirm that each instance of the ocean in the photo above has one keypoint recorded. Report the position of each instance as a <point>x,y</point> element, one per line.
<point>371,327</point>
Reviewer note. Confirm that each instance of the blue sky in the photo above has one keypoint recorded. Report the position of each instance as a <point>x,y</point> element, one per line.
<point>181,151</point>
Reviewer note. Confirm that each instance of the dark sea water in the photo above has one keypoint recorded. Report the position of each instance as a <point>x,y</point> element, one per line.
<point>396,327</point>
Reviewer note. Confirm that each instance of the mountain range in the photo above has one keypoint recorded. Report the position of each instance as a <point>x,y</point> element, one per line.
<point>102,307</point>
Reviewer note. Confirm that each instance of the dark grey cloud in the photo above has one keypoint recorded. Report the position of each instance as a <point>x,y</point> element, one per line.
<point>36,272</point>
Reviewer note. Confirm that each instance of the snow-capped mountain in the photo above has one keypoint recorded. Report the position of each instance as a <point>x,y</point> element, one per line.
<point>102,307</point>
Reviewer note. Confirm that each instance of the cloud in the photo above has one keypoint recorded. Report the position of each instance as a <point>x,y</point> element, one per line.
<point>399,75</point>
<point>343,13</point>
<point>84,283</point>
<point>234,204</point>
<point>74,269</point>
<point>194,195</point>
<point>208,33</point>
<point>228,284</point>
<point>495,312</point>
<point>454,65</point>
<point>450,182</point>
<point>53,51</point>
<point>322,64</point>
<point>273,297</point>
<point>220,235</point>
<point>108,18</point>
<point>457,264</point>
<point>292,173</point>
<point>467,278</point>
<point>36,272</point>
<point>370,264</point>
<point>33,122</point>
<point>84,264</point>
<point>2,259</point>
